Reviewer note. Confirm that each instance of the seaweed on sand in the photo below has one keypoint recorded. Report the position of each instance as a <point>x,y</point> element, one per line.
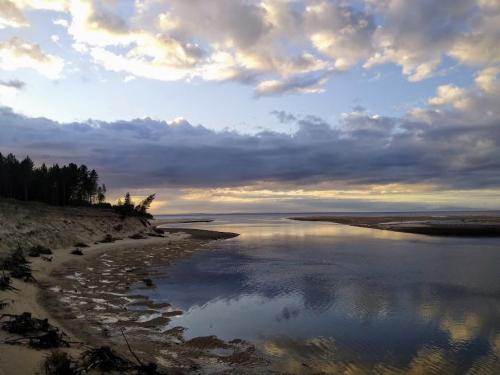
<point>37,333</point>
<point>52,339</point>
<point>137,236</point>
<point>5,282</point>
<point>24,323</point>
<point>38,250</point>
<point>108,238</point>
<point>104,359</point>
<point>60,363</point>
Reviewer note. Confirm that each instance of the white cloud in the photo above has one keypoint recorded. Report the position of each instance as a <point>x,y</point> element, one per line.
<point>61,22</point>
<point>488,80</point>
<point>449,94</point>
<point>11,15</point>
<point>274,44</point>
<point>16,53</point>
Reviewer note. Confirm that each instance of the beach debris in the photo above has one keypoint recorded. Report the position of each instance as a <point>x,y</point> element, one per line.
<point>149,368</point>
<point>118,227</point>
<point>104,359</point>
<point>23,324</point>
<point>37,333</point>
<point>137,236</point>
<point>52,339</point>
<point>18,265</point>
<point>107,239</point>
<point>154,234</point>
<point>157,230</point>
<point>148,282</point>
<point>38,250</point>
<point>5,282</point>
<point>60,363</point>
<point>3,304</point>
<point>81,244</point>
<point>77,252</point>
<point>22,271</point>
<point>47,259</point>
<point>14,258</point>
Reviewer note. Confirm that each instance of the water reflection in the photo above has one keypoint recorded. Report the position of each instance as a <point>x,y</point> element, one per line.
<point>337,299</point>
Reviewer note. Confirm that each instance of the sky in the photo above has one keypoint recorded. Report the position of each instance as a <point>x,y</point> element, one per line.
<point>260,106</point>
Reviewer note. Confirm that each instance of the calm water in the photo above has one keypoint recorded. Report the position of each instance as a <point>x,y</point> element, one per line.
<point>334,298</point>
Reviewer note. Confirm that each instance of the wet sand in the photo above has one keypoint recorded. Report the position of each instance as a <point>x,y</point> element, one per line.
<point>88,298</point>
<point>446,225</point>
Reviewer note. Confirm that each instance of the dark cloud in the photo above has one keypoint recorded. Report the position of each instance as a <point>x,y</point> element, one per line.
<point>361,149</point>
<point>284,117</point>
<point>13,83</point>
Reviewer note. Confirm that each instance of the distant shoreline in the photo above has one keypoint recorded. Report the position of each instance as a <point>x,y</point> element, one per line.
<point>445,225</point>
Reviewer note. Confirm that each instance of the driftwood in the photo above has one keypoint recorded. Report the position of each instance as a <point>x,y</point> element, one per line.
<point>142,368</point>
<point>52,339</point>
<point>37,333</point>
<point>24,323</point>
<point>104,359</point>
<point>60,363</point>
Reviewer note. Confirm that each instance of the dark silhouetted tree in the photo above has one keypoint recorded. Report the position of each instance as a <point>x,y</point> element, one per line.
<point>67,185</point>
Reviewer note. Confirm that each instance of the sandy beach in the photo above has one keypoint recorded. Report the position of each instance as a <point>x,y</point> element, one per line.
<point>86,297</point>
<point>460,225</point>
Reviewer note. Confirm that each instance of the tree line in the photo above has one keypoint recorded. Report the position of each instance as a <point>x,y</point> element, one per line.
<point>57,185</point>
<point>66,185</point>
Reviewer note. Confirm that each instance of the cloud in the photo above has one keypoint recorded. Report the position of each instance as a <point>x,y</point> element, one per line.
<point>13,83</point>
<point>449,94</point>
<point>303,84</point>
<point>455,148</point>
<point>340,32</point>
<point>284,117</point>
<point>11,15</point>
<point>16,53</point>
<point>276,46</point>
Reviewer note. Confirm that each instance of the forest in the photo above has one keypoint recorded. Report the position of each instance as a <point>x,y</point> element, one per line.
<point>57,185</point>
